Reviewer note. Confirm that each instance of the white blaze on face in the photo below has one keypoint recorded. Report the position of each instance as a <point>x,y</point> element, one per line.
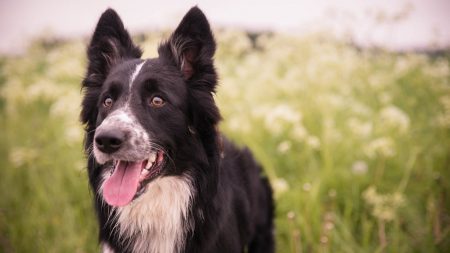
<point>137,145</point>
<point>136,72</point>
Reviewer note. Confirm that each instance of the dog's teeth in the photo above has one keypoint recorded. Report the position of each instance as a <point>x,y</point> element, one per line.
<point>149,165</point>
<point>152,158</point>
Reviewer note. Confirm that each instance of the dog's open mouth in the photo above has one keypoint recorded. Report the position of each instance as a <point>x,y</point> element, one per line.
<point>129,179</point>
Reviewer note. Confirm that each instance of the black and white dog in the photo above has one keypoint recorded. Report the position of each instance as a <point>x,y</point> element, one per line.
<point>163,178</point>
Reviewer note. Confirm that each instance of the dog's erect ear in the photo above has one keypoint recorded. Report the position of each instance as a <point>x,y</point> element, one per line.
<point>191,47</point>
<point>109,44</point>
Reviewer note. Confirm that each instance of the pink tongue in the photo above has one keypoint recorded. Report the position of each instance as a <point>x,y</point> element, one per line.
<point>120,188</point>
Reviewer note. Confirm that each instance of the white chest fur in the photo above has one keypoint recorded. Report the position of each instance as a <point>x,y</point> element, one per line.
<point>159,219</point>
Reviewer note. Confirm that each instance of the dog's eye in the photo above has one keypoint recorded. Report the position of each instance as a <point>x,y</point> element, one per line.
<point>108,102</point>
<point>156,101</point>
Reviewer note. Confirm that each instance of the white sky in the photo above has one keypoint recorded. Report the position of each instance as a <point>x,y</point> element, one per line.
<point>427,21</point>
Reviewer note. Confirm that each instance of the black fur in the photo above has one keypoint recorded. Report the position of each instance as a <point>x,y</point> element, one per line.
<point>232,208</point>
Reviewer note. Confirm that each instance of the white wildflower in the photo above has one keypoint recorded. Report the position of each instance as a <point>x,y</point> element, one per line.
<point>45,89</point>
<point>383,146</point>
<point>19,156</point>
<point>67,105</point>
<point>360,109</point>
<point>360,128</point>
<point>379,80</point>
<point>371,196</point>
<point>332,100</point>
<point>324,239</point>
<point>440,68</point>
<point>290,215</point>
<point>299,132</point>
<point>393,117</point>
<point>284,147</point>
<point>284,112</point>
<point>307,187</point>
<point>73,134</point>
<point>64,68</point>
<point>276,118</point>
<point>237,124</point>
<point>329,225</point>
<point>384,206</point>
<point>385,98</point>
<point>280,185</point>
<point>313,142</point>
<point>237,42</point>
<point>402,65</point>
<point>359,167</point>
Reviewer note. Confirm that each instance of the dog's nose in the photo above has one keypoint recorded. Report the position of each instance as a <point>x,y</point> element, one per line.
<point>109,141</point>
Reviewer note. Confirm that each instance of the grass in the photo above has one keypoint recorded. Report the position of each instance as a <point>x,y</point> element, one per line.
<point>356,143</point>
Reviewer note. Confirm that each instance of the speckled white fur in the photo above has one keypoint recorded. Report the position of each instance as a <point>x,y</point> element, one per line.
<point>136,148</point>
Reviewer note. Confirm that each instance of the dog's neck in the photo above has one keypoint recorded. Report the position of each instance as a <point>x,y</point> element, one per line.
<point>158,221</point>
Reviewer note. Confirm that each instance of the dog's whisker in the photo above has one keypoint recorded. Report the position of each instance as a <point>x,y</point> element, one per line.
<point>158,147</point>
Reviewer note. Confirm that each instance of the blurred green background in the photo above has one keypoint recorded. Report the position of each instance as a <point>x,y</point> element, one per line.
<point>356,142</point>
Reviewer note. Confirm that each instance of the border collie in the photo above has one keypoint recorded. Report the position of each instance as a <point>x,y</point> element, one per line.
<point>164,179</point>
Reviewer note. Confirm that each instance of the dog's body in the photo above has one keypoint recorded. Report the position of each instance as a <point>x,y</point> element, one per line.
<point>164,179</point>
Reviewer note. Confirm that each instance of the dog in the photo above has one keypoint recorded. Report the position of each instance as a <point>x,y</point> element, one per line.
<point>164,179</point>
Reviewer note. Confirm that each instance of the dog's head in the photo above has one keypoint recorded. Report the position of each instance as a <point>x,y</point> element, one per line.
<point>138,112</point>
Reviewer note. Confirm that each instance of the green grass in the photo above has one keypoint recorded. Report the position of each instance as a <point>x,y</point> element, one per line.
<point>356,143</point>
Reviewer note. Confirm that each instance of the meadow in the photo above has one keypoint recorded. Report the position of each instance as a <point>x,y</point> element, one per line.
<point>356,142</point>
